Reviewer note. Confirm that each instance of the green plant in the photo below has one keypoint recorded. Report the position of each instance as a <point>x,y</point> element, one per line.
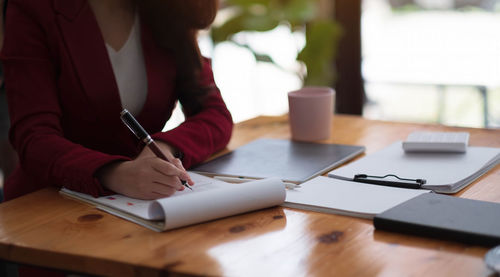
<point>321,33</point>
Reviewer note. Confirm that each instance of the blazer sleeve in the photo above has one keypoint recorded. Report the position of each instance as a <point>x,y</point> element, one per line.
<point>36,132</point>
<point>205,132</point>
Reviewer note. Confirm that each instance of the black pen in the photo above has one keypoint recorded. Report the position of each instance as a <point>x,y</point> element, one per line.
<point>136,128</point>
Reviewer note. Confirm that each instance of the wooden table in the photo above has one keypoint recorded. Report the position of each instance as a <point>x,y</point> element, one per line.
<point>45,229</point>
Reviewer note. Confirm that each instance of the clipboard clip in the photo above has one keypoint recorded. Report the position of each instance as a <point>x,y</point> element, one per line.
<point>400,182</point>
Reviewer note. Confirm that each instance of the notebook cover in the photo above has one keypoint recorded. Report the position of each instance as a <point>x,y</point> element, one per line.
<point>284,159</point>
<point>444,217</point>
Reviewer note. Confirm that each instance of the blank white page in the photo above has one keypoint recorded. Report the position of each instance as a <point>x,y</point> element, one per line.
<point>330,195</point>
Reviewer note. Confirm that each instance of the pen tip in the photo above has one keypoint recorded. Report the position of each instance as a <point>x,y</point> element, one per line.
<point>184,183</point>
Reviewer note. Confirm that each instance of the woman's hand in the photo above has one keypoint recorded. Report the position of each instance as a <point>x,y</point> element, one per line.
<point>147,176</point>
<point>167,150</point>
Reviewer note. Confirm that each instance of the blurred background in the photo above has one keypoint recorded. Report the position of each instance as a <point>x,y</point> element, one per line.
<point>431,61</point>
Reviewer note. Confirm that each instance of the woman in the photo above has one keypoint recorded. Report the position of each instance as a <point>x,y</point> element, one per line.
<point>71,66</point>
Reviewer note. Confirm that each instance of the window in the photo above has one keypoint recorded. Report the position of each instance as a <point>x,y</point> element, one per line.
<point>432,61</point>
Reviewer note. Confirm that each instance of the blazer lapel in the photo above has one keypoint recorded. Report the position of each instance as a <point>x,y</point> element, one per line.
<point>87,50</point>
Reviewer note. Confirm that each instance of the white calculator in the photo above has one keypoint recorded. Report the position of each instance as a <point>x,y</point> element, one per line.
<point>436,142</point>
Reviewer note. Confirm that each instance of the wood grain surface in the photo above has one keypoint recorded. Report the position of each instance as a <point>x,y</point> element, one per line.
<point>45,229</point>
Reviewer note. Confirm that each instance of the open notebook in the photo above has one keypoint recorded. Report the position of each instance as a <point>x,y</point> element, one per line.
<point>210,199</point>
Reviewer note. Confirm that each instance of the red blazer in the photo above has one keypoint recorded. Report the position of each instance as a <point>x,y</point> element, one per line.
<point>65,106</point>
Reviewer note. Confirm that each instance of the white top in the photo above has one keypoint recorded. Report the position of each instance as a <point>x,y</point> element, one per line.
<point>130,71</point>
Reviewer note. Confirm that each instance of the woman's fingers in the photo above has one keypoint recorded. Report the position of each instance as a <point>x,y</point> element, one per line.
<point>166,180</point>
<point>170,169</point>
<point>167,151</point>
<point>179,165</point>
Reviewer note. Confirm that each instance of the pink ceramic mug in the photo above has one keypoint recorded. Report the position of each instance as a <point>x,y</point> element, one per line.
<point>311,113</point>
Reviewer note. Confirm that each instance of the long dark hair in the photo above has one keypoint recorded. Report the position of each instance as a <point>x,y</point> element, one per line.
<point>175,25</point>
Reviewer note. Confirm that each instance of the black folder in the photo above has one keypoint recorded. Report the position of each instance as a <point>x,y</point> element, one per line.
<point>285,159</point>
<point>444,217</point>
